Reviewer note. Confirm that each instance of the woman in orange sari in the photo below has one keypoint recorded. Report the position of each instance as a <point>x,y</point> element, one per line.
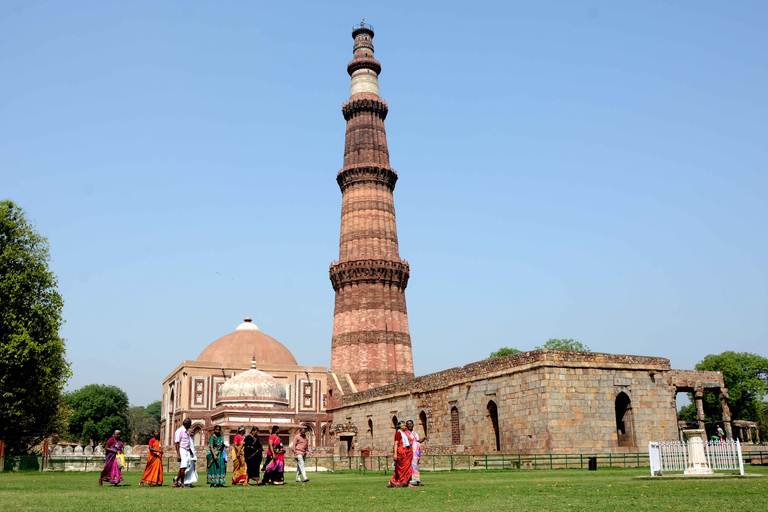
<point>240,470</point>
<point>403,456</point>
<point>153,473</point>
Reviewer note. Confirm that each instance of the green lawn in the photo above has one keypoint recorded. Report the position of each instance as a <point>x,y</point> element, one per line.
<point>560,490</point>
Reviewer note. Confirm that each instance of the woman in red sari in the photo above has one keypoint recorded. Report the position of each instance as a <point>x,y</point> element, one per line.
<point>403,455</point>
<point>153,473</point>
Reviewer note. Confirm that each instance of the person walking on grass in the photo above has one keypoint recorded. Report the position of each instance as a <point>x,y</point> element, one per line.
<point>183,444</point>
<point>413,436</point>
<point>112,471</point>
<point>403,456</point>
<point>153,472</point>
<point>300,449</point>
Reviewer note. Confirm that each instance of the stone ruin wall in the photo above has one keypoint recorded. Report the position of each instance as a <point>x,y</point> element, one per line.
<point>547,401</point>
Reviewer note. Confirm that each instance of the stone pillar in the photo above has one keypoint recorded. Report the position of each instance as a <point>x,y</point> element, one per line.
<point>699,399</point>
<point>697,461</point>
<point>749,434</point>
<point>726,413</point>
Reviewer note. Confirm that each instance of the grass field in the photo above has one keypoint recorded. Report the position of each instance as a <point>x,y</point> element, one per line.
<point>561,490</point>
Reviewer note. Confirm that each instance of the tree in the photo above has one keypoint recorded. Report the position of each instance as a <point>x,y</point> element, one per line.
<point>687,413</point>
<point>504,351</point>
<point>154,409</point>
<point>746,377</point>
<point>33,368</point>
<point>96,412</point>
<point>140,424</point>
<point>565,344</point>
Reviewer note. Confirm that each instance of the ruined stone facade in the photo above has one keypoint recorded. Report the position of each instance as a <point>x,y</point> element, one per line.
<point>371,342</point>
<point>544,401</point>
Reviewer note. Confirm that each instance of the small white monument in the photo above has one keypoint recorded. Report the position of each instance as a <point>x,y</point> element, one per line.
<point>697,461</point>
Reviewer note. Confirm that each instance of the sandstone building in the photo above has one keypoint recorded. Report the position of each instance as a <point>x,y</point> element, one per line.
<point>544,401</point>
<point>244,378</point>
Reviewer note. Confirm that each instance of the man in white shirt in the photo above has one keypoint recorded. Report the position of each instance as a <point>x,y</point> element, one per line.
<point>183,451</point>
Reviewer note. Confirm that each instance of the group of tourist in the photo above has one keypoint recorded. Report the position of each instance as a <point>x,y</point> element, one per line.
<point>247,453</point>
<point>407,452</point>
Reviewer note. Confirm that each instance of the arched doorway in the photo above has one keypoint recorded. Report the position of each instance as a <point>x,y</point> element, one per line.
<point>455,432</point>
<point>624,420</point>
<point>423,423</point>
<point>493,421</point>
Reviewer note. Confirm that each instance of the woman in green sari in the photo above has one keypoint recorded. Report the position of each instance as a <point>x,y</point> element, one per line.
<point>217,464</point>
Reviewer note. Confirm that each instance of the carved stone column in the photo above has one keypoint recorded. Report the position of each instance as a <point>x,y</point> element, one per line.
<point>726,413</point>
<point>699,399</point>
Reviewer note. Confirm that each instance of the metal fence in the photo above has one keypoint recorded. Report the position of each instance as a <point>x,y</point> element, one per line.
<point>381,464</point>
<point>719,455</point>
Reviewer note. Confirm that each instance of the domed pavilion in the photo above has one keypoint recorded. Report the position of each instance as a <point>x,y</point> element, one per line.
<point>245,378</point>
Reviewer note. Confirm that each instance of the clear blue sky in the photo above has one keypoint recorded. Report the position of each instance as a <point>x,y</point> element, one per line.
<point>588,170</point>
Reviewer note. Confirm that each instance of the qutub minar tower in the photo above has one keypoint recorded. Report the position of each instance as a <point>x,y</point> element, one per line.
<point>371,342</point>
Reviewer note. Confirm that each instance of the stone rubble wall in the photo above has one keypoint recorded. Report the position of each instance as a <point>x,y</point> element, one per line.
<point>547,401</point>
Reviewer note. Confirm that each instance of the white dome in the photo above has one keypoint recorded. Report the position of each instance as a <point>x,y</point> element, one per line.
<point>248,325</point>
<point>253,385</point>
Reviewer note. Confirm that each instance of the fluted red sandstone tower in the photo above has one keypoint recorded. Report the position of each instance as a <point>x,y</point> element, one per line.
<point>371,341</point>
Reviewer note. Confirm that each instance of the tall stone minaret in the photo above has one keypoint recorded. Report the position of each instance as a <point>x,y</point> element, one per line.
<point>371,341</point>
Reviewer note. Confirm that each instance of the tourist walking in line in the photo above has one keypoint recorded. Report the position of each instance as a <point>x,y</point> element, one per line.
<point>112,471</point>
<point>300,449</point>
<point>253,454</point>
<point>215,459</point>
<point>190,475</point>
<point>403,456</point>
<point>274,472</point>
<point>239,469</point>
<point>153,472</point>
<point>183,444</point>
<point>271,441</point>
<point>413,437</point>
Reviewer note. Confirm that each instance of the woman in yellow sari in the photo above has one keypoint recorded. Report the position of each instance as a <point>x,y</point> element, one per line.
<point>240,472</point>
<point>153,473</point>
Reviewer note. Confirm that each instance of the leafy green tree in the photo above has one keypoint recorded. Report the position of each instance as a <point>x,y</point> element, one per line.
<point>566,344</point>
<point>504,351</point>
<point>687,413</point>
<point>96,411</point>
<point>140,424</point>
<point>154,409</point>
<point>33,368</point>
<point>746,377</point>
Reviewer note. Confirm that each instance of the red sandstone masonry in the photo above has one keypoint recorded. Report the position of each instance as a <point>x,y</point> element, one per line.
<point>371,340</point>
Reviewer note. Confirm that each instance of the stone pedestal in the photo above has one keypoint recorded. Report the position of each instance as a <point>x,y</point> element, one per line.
<point>697,461</point>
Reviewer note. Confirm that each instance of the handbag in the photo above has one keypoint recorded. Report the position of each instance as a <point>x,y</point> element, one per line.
<point>120,460</point>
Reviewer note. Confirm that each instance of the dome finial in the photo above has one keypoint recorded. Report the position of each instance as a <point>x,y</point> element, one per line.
<point>253,362</point>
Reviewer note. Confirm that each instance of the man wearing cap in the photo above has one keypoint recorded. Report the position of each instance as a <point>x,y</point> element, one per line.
<point>300,448</point>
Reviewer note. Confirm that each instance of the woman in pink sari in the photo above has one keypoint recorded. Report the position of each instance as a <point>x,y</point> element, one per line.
<point>111,472</point>
<point>416,444</point>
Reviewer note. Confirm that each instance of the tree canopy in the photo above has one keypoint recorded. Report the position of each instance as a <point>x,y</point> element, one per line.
<point>140,424</point>
<point>154,409</point>
<point>746,377</point>
<point>96,411</point>
<point>566,344</point>
<point>33,368</point>
<point>504,351</point>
